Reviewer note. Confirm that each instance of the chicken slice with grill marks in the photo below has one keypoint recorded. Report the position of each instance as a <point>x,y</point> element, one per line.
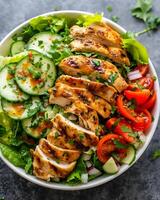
<point>81,65</point>
<point>81,94</point>
<point>57,153</point>
<point>46,168</point>
<point>100,32</point>
<point>61,140</point>
<point>116,54</point>
<point>83,136</point>
<point>99,89</point>
<point>88,117</point>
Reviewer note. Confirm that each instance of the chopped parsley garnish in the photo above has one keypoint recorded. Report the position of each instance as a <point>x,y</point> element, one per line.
<point>81,136</point>
<point>126,129</point>
<point>96,63</point>
<point>119,145</point>
<point>109,8</point>
<point>97,131</point>
<point>132,104</point>
<point>156,154</point>
<point>115,123</point>
<point>112,78</point>
<point>71,141</point>
<point>56,135</point>
<point>36,74</point>
<point>115,18</point>
<point>113,109</point>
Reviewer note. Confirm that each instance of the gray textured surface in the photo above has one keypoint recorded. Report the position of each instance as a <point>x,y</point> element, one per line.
<point>142,181</point>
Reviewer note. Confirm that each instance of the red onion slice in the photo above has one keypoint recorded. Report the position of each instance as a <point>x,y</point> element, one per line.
<point>134,75</point>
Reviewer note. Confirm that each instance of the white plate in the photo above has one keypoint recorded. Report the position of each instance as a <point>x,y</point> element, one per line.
<point>4,48</point>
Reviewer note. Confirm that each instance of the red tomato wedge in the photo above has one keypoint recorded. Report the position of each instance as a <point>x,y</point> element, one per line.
<point>144,120</point>
<point>106,146</point>
<point>140,96</point>
<point>151,101</point>
<point>143,68</point>
<point>145,83</point>
<point>124,110</point>
<point>121,127</point>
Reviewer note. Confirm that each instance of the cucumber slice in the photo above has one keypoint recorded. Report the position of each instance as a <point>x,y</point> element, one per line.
<point>17,47</point>
<point>110,166</point>
<point>42,42</point>
<point>8,86</point>
<point>131,155</point>
<point>39,125</point>
<point>21,110</point>
<point>35,75</point>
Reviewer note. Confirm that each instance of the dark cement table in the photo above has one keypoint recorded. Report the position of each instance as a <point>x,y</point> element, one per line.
<point>142,181</point>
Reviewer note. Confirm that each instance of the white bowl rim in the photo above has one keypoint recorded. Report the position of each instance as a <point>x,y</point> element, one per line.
<point>100,180</point>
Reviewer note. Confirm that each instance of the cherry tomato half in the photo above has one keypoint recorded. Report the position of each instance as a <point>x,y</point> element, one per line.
<point>142,83</point>
<point>121,127</point>
<point>144,120</point>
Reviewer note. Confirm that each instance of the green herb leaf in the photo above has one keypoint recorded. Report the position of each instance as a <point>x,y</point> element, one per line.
<point>113,109</point>
<point>115,18</point>
<point>126,129</point>
<point>95,161</point>
<point>112,78</point>
<point>96,63</point>
<point>109,8</point>
<point>156,154</point>
<point>143,11</point>
<point>119,145</point>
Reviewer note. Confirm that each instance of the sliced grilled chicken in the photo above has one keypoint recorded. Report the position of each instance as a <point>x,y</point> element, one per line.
<point>100,32</point>
<point>76,132</point>
<point>116,54</point>
<point>81,94</point>
<point>88,117</point>
<point>81,65</point>
<point>61,101</point>
<point>61,140</point>
<point>57,153</point>
<point>99,89</point>
<point>46,168</point>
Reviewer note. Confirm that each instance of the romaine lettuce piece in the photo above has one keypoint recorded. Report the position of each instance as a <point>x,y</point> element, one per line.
<point>12,155</point>
<point>87,20</point>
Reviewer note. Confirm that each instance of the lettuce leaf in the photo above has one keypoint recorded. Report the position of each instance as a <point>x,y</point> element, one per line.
<point>136,49</point>
<point>87,20</point>
<point>19,157</point>
<point>7,124</point>
<point>39,24</point>
<point>75,176</point>
<point>11,146</point>
<point>52,23</point>
<point>12,155</point>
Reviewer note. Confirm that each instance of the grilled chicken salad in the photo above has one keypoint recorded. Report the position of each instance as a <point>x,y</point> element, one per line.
<point>76,99</point>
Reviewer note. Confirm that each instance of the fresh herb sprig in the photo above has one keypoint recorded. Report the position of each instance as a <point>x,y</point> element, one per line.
<point>143,11</point>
